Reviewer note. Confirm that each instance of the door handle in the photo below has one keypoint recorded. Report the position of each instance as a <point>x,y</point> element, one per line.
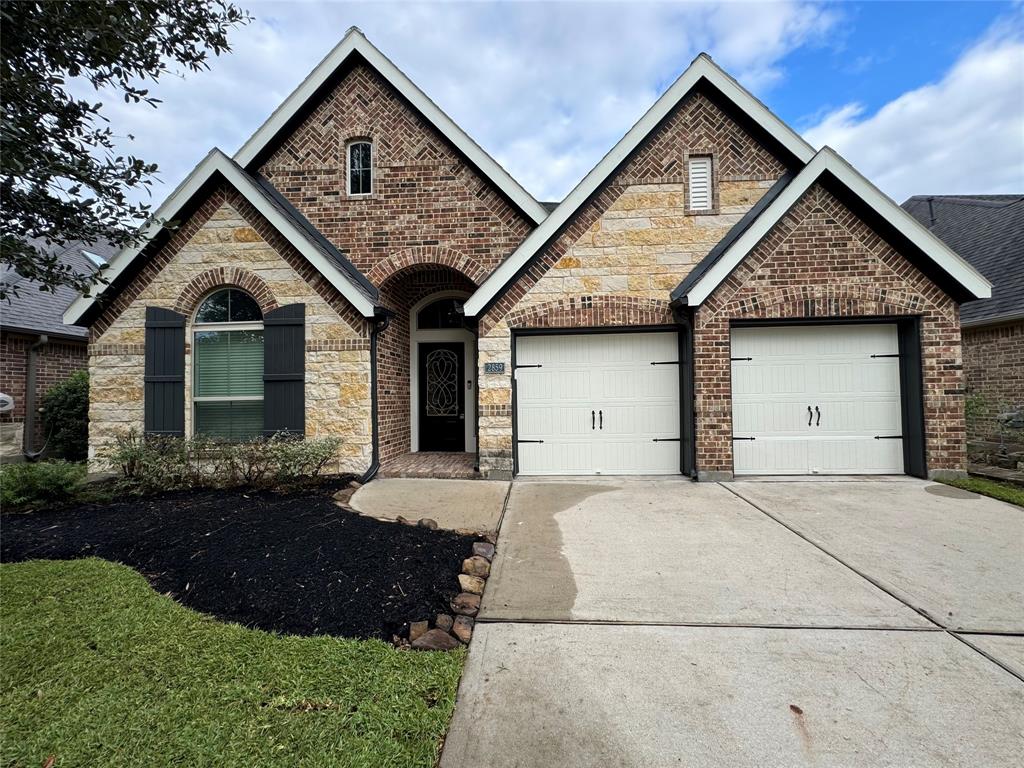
<point>600,416</point>
<point>591,419</point>
<point>810,416</point>
<point>818,422</point>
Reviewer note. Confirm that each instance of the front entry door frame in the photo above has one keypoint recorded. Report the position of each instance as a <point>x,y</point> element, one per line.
<point>417,337</point>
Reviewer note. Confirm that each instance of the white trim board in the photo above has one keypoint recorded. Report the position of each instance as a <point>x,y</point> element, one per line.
<point>355,42</point>
<point>828,160</point>
<point>702,67</point>
<point>217,162</point>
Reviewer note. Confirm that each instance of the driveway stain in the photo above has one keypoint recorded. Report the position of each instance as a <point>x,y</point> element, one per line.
<point>801,727</point>
<point>949,492</point>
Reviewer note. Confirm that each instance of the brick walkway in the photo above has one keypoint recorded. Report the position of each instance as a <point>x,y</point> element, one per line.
<point>457,466</point>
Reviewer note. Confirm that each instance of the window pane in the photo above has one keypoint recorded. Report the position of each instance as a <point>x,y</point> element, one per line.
<point>214,309</point>
<point>238,420</point>
<point>228,363</point>
<point>244,308</point>
<point>440,314</point>
<point>359,178</point>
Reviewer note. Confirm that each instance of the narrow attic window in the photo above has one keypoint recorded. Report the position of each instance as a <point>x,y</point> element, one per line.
<point>360,168</point>
<point>700,183</point>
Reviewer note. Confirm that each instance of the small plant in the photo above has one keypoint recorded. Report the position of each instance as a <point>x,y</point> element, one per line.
<point>41,482</point>
<point>66,417</point>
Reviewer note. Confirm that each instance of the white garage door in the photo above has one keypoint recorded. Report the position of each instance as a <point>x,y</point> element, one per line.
<point>816,399</point>
<point>603,403</point>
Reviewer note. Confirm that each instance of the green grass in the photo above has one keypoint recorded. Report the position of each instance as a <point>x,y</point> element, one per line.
<point>97,669</point>
<point>1008,492</point>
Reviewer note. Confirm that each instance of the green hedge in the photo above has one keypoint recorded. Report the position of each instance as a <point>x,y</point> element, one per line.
<point>39,483</point>
<point>66,418</point>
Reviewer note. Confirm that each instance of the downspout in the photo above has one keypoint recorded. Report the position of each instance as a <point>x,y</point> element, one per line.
<point>381,321</point>
<point>28,437</point>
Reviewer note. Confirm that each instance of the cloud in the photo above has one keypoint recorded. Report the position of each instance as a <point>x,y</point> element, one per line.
<point>547,89</point>
<point>961,135</point>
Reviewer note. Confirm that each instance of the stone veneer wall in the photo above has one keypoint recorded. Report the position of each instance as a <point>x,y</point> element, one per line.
<point>994,373</point>
<point>425,195</point>
<point>228,242</point>
<point>624,251</point>
<point>821,260</point>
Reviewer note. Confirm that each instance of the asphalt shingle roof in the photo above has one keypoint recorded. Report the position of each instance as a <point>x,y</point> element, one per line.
<point>988,232</point>
<point>39,311</point>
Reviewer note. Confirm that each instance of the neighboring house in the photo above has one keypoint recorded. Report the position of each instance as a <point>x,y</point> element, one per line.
<point>988,231</point>
<point>714,297</point>
<point>36,349</point>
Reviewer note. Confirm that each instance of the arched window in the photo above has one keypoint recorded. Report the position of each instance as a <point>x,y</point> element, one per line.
<point>227,376</point>
<point>443,313</point>
<point>360,168</point>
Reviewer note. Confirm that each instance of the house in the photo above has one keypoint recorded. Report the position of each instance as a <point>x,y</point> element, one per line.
<point>37,350</point>
<point>714,298</point>
<point>988,231</point>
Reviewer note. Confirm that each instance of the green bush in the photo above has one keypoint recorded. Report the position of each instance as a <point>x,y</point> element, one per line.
<point>39,483</point>
<point>66,417</point>
<point>148,464</point>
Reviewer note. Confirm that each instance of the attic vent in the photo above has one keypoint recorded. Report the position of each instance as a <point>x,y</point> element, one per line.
<point>700,183</point>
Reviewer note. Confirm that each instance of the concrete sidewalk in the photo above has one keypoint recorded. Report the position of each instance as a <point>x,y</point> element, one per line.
<point>657,622</point>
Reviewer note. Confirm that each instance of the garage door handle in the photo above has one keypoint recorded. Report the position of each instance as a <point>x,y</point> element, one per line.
<point>591,419</point>
<point>810,416</point>
<point>600,417</point>
<point>818,422</point>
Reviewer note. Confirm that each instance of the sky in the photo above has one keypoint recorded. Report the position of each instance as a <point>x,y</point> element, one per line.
<point>922,97</point>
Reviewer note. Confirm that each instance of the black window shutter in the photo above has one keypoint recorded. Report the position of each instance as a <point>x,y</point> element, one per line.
<point>164,397</point>
<point>284,370</point>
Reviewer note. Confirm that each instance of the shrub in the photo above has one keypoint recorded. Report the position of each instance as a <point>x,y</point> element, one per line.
<point>148,464</point>
<point>66,417</point>
<point>40,482</point>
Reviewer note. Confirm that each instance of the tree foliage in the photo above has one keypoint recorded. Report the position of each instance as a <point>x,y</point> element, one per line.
<point>61,178</point>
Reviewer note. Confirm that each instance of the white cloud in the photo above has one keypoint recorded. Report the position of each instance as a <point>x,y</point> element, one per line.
<point>963,134</point>
<point>547,89</point>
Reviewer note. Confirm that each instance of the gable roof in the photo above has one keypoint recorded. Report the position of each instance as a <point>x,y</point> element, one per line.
<point>355,44</point>
<point>37,311</point>
<point>330,262</point>
<point>987,231</point>
<point>702,69</point>
<point>720,263</point>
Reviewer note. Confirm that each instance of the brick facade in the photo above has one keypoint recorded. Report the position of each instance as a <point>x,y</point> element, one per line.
<point>620,256</point>
<point>425,195</point>
<point>55,361</point>
<point>822,261</point>
<point>994,377</point>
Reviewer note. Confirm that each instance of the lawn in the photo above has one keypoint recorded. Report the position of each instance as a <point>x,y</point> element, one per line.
<point>1008,492</point>
<point>98,669</point>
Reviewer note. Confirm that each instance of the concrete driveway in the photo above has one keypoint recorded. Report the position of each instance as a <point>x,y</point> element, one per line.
<point>657,622</point>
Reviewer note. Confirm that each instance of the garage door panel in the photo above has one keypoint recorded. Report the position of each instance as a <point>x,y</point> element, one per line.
<point>854,397</point>
<point>585,373</point>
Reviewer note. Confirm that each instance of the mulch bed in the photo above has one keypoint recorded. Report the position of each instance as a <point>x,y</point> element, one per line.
<point>291,563</point>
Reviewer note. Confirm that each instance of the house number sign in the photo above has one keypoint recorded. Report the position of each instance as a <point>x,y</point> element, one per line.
<point>494,367</point>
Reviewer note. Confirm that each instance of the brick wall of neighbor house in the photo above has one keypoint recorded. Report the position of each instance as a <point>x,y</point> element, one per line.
<point>821,260</point>
<point>994,376</point>
<point>54,362</point>
<point>424,195</point>
<point>227,242</point>
<point>625,250</point>
<point>400,293</point>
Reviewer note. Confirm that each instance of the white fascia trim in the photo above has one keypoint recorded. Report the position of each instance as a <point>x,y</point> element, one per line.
<point>355,41</point>
<point>217,162</point>
<point>828,160</point>
<point>702,67</point>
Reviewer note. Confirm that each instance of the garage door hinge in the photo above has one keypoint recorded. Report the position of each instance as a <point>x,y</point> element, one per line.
<point>529,441</point>
<point>895,354</point>
<point>740,358</point>
<point>665,440</point>
<point>888,437</point>
<point>667,362</point>
<point>744,438</point>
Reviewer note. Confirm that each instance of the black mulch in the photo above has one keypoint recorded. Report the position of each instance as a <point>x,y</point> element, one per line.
<point>286,563</point>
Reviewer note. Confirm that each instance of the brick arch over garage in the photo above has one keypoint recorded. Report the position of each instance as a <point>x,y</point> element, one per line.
<point>423,256</point>
<point>805,301</point>
<point>220,277</point>
<point>587,312</point>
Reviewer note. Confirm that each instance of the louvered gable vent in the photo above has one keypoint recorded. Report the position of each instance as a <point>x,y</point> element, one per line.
<point>700,183</point>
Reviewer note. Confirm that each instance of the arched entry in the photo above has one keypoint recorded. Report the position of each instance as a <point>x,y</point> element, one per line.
<point>442,381</point>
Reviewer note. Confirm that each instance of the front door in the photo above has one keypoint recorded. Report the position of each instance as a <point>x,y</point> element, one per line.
<point>442,396</point>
